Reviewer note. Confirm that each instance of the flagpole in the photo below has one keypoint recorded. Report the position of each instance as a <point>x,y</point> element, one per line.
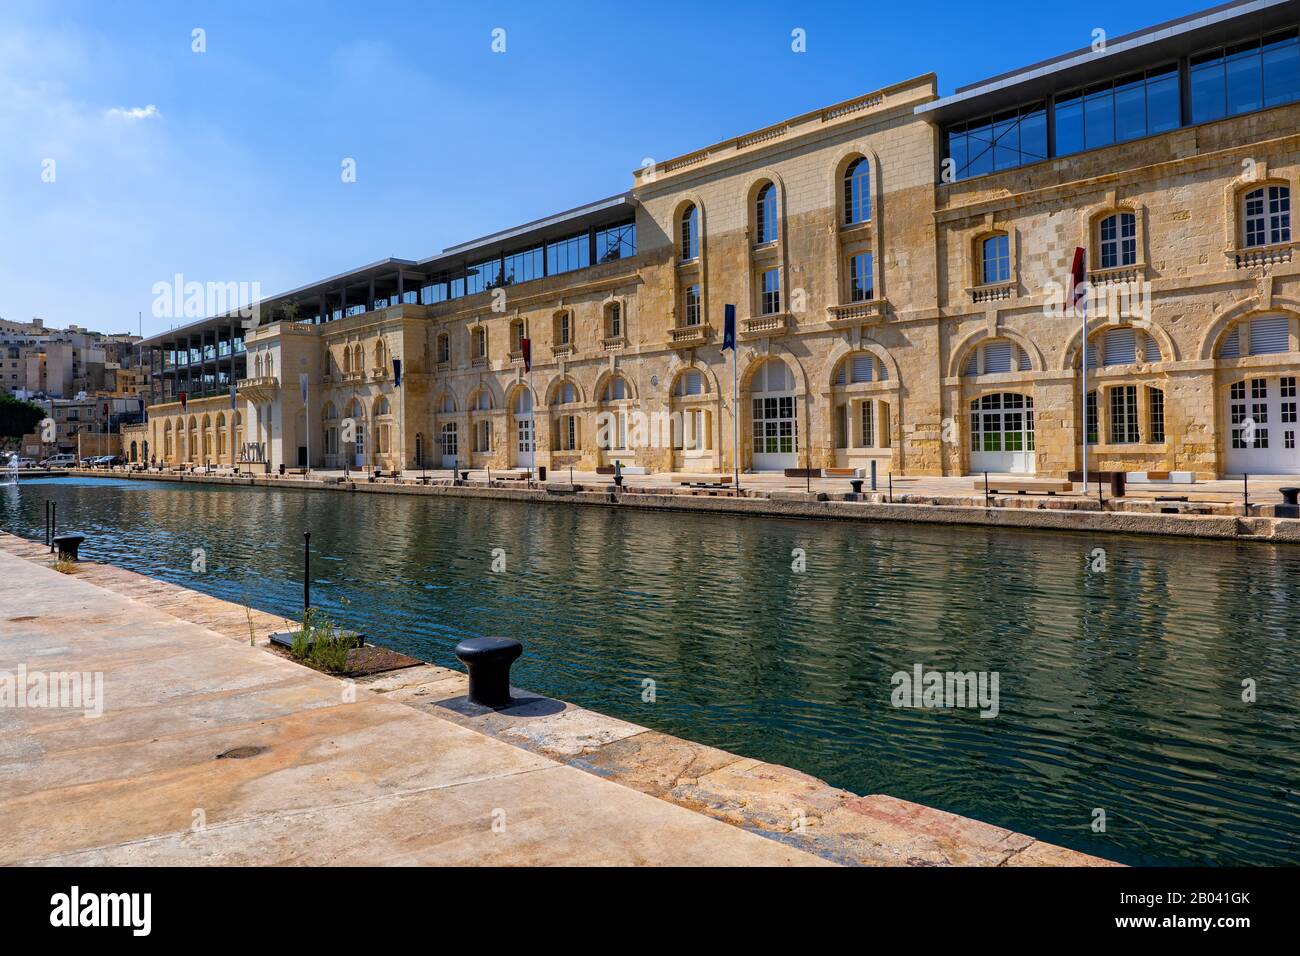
<point>735,416</point>
<point>1083,367</point>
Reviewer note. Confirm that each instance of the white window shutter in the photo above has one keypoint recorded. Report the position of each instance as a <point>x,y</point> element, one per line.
<point>1231,347</point>
<point>1270,335</point>
<point>1120,347</point>
<point>997,358</point>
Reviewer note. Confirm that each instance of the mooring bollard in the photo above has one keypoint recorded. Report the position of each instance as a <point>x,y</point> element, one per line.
<point>488,660</point>
<point>1290,507</point>
<point>54,522</point>
<point>856,484</point>
<point>68,545</point>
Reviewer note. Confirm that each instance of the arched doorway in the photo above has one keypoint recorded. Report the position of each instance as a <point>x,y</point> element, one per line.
<point>774,420</point>
<point>1002,433</point>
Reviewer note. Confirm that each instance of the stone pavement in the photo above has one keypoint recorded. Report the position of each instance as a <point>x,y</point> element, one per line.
<point>394,769</point>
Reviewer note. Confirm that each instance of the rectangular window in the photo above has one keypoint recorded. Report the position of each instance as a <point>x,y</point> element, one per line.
<point>841,426</point>
<point>1091,413</point>
<point>523,266</point>
<point>1245,77</point>
<point>996,259</point>
<point>1156,414</point>
<point>691,305</point>
<point>1123,415</point>
<point>1000,142</point>
<point>565,255</point>
<point>483,436</point>
<point>564,329</point>
<point>771,292</point>
<point>616,242</point>
<point>861,282</point>
<point>868,426</point>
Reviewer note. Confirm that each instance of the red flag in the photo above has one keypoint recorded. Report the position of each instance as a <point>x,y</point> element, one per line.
<point>183,397</point>
<point>526,346</point>
<point>1078,276</point>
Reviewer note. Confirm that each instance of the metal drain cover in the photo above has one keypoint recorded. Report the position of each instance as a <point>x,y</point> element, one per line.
<point>239,753</point>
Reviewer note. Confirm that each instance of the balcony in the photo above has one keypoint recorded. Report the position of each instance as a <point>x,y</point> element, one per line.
<point>258,390</point>
<point>765,326</point>
<point>1119,275</point>
<point>1262,255</point>
<point>479,361</point>
<point>992,292</point>
<point>688,336</point>
<point>857,313</point>
<point>614,343</point>
<point>562,348</point>
<point>379,374</point>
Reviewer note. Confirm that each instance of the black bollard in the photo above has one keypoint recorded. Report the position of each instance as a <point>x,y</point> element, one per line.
<point>488,660</point>
<point>68,545</point>
<point>54,522</point>
<point>873,474</point>
<point>47,522</point>
<point>856,485</point>
<point>306,571</point>
<point>1290,508</point>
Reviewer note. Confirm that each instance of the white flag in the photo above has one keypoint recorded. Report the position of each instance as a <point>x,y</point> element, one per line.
<point>302,383</point>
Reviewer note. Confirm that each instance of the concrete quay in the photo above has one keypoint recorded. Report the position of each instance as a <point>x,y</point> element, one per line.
<point>391,769</point>
<point>1213,509</point>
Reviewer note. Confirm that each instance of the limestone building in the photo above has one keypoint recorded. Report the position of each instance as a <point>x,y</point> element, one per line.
<point>899,265</point>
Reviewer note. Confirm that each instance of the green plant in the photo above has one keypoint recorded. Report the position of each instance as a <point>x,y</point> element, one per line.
<point>321,644</point>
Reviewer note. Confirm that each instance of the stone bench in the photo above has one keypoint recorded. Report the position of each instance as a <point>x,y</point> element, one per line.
<point>1024,486</point>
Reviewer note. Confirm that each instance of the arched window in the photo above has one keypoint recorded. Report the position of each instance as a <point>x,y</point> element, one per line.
<point>382,407</point>
<point>1118,235</point>
<point>615,390</point>
<point>523,402</point>
<point>857,192</point>
<point>565,394</point>
<point>690,227</point>
<point>860,367</point>
<point>358,358</point>
<point>448,404</point>
<point>690,382</point>
<point>347,360</point>
<point>995,259</point>
<point>381,354</point>
<point>1266,335</point>
<point>765,215</point>
<point>1266,216</point>
<point>996,357</point>
<point>482,401</point>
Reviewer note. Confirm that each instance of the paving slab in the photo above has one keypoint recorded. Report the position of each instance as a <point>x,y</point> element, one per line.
<point>360,781</point>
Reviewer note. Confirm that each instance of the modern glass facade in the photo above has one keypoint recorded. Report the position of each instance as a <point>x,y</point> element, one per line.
<point>1227,81</point>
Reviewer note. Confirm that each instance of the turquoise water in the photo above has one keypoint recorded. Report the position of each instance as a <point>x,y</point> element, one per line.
<point>1118,690</point>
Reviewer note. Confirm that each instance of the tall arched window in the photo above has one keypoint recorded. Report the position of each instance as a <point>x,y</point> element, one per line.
<point>381,354</point>
<point>1118,234</point>
<point>690,226</point>
<point>1266,216</point>
<point>765,215</point>
<point>995,259</point>
<point>857,192</point>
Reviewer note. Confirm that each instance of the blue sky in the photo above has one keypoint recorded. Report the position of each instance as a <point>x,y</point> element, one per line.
<point>224,166</point>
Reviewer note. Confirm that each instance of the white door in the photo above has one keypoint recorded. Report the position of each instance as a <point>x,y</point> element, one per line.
<point>1262,427</point>
<point>526,445</point>
<point>449,445</point>
<point>775,426</point>
<point>359,451</point>
<point>1002,434</point>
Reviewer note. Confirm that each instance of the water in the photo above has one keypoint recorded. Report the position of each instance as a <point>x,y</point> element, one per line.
<point>1119,690</point>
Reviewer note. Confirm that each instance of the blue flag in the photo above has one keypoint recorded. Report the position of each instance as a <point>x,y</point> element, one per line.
<point>233,401</point>
<point>729,328</point>
<point>397,371</point>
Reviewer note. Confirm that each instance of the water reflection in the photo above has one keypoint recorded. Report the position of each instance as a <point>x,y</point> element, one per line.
<point>1119,690</point>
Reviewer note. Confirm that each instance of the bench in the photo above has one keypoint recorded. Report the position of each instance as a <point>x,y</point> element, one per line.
<point>1023,486</point>
<point>803,472</point>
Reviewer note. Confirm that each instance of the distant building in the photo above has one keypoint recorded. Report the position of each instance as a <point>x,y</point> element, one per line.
<point>37,361</point>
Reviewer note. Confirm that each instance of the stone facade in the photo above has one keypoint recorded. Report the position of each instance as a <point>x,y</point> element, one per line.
<point>890,378</point>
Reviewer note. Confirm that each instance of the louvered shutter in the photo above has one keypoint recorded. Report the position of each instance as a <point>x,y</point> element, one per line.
<point>1120,347</point>
<point>1271,335</point>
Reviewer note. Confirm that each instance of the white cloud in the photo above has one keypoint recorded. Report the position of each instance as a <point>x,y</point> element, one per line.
<point>135,113</point>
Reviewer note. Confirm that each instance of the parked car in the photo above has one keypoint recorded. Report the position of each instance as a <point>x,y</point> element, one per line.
<point>59,461</point>
<point>26,463</point>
